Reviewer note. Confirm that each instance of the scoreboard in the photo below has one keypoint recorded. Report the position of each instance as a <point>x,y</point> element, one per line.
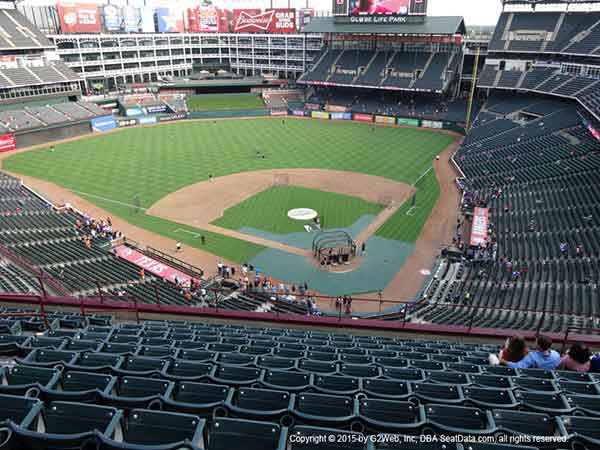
<point>379,11</point>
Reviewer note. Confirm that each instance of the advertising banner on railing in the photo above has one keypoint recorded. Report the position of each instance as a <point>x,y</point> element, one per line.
<point>279,20</point>
<point>132,112</point>
<point>112,18</point>
<point>172,117</point>
<point>408,122</point>
<point>341,116</point>
<point>155,109</point>
<point>385,119</point>
<point>299,112</point>
<point>153,266</point>
<point>335,108</point>
<point>147,120</point>
<point>79,18</point>
<point>319,115</point>
<point>7,142</point>
<point>479,226</point>
<point>278,112</point>
<point>432,124</point>
<point>103,123</point>
<point>312,106</point>
<point>359,117</point>
<point>170,20</point>
<point>131,19</point>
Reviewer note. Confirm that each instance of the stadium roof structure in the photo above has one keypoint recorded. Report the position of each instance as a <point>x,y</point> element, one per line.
<point>216,82</point>
<point>435,25</point>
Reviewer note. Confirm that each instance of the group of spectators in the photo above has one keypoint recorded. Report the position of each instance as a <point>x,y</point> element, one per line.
<point>89,228</point>
<point>517,355</point>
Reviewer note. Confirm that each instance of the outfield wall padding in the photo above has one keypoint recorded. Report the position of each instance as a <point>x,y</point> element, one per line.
<point>51,134</point>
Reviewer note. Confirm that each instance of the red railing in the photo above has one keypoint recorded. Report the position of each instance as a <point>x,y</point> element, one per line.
<point>111,304</point>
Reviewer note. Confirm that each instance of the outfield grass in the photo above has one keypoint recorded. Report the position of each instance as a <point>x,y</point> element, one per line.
<point>268,209</point>
<point>407,222</point>
<point>152,162</point>
<point>215,102</point>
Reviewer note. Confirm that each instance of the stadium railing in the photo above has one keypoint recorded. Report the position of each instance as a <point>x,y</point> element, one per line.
<point>127,304</point>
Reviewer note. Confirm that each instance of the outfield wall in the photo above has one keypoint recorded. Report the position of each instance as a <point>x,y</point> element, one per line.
<point>52,133</point>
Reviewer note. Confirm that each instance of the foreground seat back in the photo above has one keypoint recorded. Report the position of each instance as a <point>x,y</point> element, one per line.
<point>227,434</point>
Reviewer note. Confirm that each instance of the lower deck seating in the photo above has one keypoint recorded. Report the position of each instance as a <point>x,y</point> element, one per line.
<point>155,390</point>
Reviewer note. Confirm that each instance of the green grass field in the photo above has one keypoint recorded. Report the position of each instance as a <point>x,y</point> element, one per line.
<point>155,161</point>
<point>268,209</point>
<point>218,102</point>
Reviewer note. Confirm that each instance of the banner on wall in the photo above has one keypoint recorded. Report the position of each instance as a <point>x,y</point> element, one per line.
<point>385,119</point>
<point>147,20</point>
<point>431,124</point>
<point>147,120</point>
<point>341,116</point>
<point>336,108</point>
<point>479,227</point>
<point>153,266</point>
<point>319,115</point>
<point>172,117</point>
<point>363,117</point>
<point>103,123</point>
<point>305,15</point>
<point>408,122</point>
<point>205,20</point>
<point>79,18</point>
<point>132,112</point>
<point>112,18</point>
<point>155,109</point>
<point>312,106</point>
<point>131,19</point>
<point>7,142</point>
<point>170,20</point>
<point>278,20</point>
<point>278,112</point>
<point>299,112</point>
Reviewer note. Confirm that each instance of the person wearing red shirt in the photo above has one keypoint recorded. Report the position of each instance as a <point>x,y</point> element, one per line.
<point>370,7</point>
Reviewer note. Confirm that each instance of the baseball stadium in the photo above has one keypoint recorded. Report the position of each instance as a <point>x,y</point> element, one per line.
<point>310,224</point>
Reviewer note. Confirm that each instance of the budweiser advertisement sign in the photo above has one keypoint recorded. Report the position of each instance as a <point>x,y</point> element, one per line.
<point>79,18</point>
<point>279,20</point>
<point>7,142</point>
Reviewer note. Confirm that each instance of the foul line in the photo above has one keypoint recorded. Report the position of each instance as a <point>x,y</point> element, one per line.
<point>87,194</point>
<point>177,230</point>
<point>424,173</point>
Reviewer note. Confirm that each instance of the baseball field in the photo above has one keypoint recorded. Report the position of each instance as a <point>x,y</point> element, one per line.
<point>216,102</point>
<point>129,172</point>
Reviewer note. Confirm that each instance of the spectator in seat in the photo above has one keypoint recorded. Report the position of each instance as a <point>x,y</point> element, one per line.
<point>515,349</point>
<point>595,364</point>
<point>543,358</point>
<point>576,359</point>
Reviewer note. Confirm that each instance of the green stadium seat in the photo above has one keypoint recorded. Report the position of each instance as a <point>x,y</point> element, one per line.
<point>258,404</point>
<point>196,398</point>
<point>227,434</point>
<point>16,408</point>
<point>286,381</point>
<point>79,387</point>
<point>151,430</point>
<point>459,420</point>
<point>67,426</point>
<point>381,416</point>
<point>321,409</point>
